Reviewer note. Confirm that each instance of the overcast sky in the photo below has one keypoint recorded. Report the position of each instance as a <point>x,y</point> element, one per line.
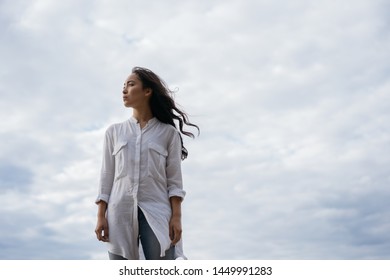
<point>292,98</point>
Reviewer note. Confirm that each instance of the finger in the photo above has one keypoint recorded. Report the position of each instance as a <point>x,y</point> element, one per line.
<point>171,233</point>
<point>98,233</point>
<point>102,234</point>
<point>105,235</point>
<point>176,236</point>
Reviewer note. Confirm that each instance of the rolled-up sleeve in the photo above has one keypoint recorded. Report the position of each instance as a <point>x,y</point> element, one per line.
<point>173,168</point>
<point>107,172</point>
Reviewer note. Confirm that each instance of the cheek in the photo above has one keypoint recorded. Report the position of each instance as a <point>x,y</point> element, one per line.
<point>135,93</point>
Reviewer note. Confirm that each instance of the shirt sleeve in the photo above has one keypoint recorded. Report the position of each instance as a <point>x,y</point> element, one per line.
<point>107,172</point>
<point>173,168</point>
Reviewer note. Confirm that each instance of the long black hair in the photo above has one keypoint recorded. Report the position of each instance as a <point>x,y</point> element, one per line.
<point>163,105</point>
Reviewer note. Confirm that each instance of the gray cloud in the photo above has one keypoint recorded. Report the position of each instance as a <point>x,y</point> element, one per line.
<point>12,176</point>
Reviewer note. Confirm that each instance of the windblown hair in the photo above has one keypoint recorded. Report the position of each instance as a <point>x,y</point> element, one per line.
<point>163,105</point>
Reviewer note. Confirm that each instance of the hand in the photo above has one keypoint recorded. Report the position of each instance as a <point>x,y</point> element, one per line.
<point>175,229</point>
<point>102,229</point>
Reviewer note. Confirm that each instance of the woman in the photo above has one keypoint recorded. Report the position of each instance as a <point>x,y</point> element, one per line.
<point>140,191</point>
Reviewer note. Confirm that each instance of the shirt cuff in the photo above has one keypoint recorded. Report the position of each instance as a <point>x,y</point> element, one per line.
<point>174,191</point>
<point>102,197</point>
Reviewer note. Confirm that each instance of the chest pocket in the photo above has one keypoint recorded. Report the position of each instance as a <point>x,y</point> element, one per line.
<point>121,158</point>
<point>157,158</point>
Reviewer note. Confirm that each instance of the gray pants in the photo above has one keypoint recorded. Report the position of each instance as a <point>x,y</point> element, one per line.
<point>149,241</point>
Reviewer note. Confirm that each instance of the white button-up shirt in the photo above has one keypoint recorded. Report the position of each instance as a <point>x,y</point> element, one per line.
<point>140,168</point>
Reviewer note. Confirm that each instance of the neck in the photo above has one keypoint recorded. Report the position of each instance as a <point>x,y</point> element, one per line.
<point>142,116</point>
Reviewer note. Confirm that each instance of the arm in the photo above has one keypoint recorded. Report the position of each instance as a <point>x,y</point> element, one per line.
<point>106,181</point>
<point>107,171</point>
<point>175,187</point>
<point>175,228</point>
<point>102,225</point>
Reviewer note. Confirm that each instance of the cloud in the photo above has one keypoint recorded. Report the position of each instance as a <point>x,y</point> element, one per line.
<point>292,101</point>
<point>14,176</point>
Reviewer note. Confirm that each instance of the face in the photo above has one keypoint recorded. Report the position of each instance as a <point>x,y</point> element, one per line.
<point>133,94</point>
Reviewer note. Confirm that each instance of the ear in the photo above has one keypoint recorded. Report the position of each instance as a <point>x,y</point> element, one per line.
<point>148,92</point>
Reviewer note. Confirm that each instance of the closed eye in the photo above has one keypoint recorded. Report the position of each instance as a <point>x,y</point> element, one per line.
<point>130,83</point>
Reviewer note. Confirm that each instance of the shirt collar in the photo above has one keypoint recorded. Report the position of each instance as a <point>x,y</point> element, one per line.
<point>150,122</point>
